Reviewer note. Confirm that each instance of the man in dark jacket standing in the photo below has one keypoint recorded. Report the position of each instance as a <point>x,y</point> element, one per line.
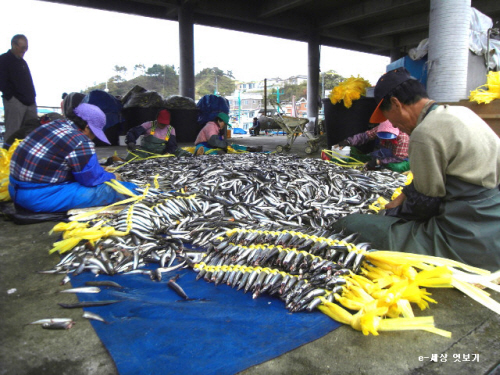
<point>17,86</point>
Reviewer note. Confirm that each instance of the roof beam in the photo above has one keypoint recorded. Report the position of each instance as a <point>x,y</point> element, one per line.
<point>402,25</point>
<point>362,10</point>
<point>271,8</point>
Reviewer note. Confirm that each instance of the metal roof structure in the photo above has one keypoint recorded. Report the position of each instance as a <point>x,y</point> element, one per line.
<point>382,27</point>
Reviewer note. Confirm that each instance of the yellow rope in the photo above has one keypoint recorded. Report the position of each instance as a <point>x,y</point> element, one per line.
<point>342,159</point>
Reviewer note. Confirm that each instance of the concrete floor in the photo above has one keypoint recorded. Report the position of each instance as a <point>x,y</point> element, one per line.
<point>26,295</point>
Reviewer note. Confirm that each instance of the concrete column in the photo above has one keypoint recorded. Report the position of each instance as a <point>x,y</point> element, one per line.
<point>313,77</point>
<point>448,59</point>
<point>395,54</point>
<point>186,51</point>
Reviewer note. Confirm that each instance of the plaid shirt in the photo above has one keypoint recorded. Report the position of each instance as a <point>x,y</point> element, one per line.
<point>399,146</point>
<point>50,153</point>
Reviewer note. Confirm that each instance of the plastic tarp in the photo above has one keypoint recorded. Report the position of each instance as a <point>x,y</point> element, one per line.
<point>109,105</point>
<point>478,40</point>
<point>220,331</point>
<point>210,106</point>
<point>239,131</point>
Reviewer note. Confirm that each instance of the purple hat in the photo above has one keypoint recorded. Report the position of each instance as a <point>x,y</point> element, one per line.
<point>95,118</point>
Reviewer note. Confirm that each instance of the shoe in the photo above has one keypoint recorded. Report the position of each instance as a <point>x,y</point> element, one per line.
<point>254,148</point>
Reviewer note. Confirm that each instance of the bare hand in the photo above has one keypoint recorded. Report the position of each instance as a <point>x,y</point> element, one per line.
<point>118,176</point>
<point>396,202</point>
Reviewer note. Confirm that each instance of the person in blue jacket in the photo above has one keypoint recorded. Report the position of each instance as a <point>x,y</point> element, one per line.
<point>55,168</point>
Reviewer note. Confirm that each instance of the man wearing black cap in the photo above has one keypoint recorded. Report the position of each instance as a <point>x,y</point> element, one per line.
<point>452,207</point>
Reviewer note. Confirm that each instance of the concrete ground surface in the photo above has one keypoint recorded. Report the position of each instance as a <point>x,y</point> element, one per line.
<point>26,296</point>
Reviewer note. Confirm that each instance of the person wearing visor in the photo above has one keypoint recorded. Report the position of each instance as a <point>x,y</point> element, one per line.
<point>393,147</point>
<point>211,140</point>
<point>452,207</point>
<point>55,168</point>
<point>158,138</point>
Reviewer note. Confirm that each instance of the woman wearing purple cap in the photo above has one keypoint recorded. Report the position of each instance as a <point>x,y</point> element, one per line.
<point>55,168</point>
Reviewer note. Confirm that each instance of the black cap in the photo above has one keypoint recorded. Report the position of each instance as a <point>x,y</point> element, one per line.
<point>388,82</point>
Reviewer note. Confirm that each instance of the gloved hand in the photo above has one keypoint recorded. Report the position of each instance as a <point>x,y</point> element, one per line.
<point>371,165</point>
<point>131,146</point>
<point>344,143</point>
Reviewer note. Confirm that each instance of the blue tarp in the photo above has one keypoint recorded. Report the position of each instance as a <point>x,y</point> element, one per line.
<point>109,105</point>
<point>210,106</point>
<point>239,131</point>
<point>222,331</point>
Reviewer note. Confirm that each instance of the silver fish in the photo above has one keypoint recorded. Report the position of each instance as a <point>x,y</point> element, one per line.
<point>83,289</point>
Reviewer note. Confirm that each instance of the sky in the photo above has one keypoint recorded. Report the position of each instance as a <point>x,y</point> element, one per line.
<point>72,48</point>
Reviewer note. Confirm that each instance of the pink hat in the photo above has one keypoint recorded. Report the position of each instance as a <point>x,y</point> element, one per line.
<point>95,118</point>
<point>386,131</point>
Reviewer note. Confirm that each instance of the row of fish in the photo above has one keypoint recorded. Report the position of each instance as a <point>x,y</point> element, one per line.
<point>297,277</point>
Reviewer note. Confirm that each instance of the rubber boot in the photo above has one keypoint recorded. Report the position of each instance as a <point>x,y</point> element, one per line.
<point>254,148</point>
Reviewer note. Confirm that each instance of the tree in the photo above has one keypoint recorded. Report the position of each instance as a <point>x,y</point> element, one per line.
<point>121,73</point>
<point>214,80</point>
<point>160,78</point>
<point>139,69</point>
<point>330,79</point>
<point>156,70</point>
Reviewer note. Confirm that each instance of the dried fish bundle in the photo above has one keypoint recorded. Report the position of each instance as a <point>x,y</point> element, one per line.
<point>378,285</point>
<point>263,262</point>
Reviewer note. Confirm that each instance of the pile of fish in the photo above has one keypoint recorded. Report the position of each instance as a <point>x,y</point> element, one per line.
<point>199,200</point>
<point>268,190</point>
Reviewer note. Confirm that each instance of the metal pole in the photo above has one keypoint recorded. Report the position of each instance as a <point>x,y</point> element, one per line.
<point>186,51</point>
<point>265,96</point>
<point>322,85</point>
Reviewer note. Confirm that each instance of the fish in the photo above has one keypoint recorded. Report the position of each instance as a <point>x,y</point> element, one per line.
<point>50,320</point>
<point>58,325</point>
<point>65,280</point>
<point>176,287</point>
<point>103,283</point>
<point>87,304</point>
<point>91,315</point>
<point>83,289</point>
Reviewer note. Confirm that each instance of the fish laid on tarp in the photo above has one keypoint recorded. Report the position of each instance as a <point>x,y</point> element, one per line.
<point>103,283</point>
<point>176,287</point>
<point>87,304</point>
<point>91,315</point>
<point>83,289</point>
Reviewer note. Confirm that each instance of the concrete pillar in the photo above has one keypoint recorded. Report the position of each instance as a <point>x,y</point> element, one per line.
<point>313,78</point>
<point>448,59</point>
<point>186,51</point>
<point>395,54</point>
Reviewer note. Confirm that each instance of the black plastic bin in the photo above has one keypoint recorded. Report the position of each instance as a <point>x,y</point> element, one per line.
<point>185,122</point>
<point>135,116</point>
<point>342,122</point>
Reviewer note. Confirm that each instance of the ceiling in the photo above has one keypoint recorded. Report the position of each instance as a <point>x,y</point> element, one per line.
<point>383,27</point>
